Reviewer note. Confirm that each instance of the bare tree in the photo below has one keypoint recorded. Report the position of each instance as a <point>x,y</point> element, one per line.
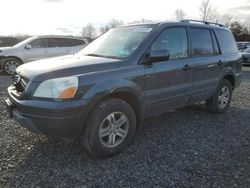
<point>112,24</point>
<point>226,19</point>
<point>89,32</point>
<point>208,12</point>
<point>180,14</point>
<point>205,9</point>
<point>104,29</point>
<point>237,28</point>
<point>115,23</point>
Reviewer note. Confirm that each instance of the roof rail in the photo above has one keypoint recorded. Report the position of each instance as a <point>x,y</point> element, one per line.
<point>204,22</point>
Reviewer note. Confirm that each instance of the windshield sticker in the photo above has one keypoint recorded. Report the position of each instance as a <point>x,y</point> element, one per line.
<point>146,30</point>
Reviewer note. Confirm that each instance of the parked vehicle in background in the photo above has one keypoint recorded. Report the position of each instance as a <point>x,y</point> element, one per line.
<point>246,56</point>
<point>129,73</point>
<point>243,45</point>
<point>8,41</point>
<point>36,48</point>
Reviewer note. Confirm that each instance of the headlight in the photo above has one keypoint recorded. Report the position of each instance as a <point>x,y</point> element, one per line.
<point>58,88</point>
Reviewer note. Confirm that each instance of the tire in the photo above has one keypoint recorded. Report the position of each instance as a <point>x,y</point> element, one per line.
<point>104,121</point>
<point>10,65</point>
<point>220,101</point>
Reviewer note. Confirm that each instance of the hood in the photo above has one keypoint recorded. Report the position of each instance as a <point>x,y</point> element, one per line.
<point>245,54</point>
<point>65,66</point>
<point>4,48</point>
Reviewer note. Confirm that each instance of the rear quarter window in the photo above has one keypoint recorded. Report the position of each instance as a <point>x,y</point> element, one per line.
<point>226,41</point>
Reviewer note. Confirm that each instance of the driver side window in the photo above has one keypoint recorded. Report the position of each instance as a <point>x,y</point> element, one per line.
<point>174,40</point>
<point>39,43</point>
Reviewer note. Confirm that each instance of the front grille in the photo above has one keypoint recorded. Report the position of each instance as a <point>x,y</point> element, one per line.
<point>20,83</point>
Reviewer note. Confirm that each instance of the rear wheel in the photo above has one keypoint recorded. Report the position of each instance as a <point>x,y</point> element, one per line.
<point>220,101</point>
<point>111,128</point>
<point>10,65</point>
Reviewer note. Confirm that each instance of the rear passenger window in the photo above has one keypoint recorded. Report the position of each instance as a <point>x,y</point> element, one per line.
<point>56,42</point>
<point>174,40</point>
<point>74,42</point>
<point>226,41</point>
<point>202,44</point>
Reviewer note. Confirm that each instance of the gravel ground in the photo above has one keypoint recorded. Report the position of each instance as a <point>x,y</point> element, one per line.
<point>188,147</point>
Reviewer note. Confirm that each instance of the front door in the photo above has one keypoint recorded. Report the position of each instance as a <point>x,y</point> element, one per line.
<point>36,51</point>
<point>168,83</point>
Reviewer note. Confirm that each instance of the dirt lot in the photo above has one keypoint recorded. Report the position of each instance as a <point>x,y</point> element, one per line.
<point>187,147</point>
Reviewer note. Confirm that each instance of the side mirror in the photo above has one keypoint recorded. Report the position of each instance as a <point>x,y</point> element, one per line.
<point>28,47</point>
<point>159,55</point>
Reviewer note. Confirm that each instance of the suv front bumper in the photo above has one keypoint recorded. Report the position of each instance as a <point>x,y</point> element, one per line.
<point>51,118</point>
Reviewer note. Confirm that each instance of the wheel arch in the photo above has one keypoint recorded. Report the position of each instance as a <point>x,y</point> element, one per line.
<point>132,100</point>
<point>10,57</point>
<point>231,78</point>
<point>129,97</point>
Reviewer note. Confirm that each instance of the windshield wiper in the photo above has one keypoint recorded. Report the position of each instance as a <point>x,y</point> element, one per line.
<point>105,56</point>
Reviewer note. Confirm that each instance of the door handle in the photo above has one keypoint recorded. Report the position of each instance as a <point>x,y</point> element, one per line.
<point>220,63</point>
<point>186,68</point>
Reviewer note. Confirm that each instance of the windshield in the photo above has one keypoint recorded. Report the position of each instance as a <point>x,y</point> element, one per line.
<point>117,43</point>
<point>247,50</point>
<point>243,45</point>
<point>24,42</point>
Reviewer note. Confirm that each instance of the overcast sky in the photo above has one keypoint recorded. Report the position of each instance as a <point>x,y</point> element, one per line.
<point>38,17</point>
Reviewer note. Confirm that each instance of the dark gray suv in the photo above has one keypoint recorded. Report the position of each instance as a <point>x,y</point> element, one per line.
<point>129,73</point>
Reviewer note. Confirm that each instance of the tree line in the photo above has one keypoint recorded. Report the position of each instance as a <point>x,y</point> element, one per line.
<point>207,12</point>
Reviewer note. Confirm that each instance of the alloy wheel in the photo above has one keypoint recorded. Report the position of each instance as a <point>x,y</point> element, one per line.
<point>10,66</point>
<point>224,96</point>
<point>113,129</point>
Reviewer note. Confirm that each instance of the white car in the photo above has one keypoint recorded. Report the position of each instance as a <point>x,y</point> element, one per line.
<point>36,48</point>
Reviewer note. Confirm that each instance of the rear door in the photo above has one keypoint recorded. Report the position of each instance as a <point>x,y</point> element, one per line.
<point>56,47</point>
<point>208,63</point>
<point>168,83</point>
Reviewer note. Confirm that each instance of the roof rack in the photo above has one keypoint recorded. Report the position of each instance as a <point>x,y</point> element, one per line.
<point>204,22</point>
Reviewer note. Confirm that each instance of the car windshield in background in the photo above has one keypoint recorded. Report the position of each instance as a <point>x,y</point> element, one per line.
<point>117,43</point>
<point>243,45</point>
<point>247,50</point>
<point>20,44</point>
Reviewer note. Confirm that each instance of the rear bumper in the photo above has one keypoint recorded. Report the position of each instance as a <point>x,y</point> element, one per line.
<point>51,118</point>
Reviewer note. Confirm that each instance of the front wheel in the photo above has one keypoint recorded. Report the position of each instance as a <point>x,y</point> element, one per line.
<point>111,128</point>
<point>220,101</point>
<point>10,65</point>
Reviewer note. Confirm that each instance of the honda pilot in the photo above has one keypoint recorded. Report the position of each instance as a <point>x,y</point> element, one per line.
<point>103,93</point>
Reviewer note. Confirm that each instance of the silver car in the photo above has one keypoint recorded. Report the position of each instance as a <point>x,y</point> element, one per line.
<point>36,48</point>
<point>246,56</point>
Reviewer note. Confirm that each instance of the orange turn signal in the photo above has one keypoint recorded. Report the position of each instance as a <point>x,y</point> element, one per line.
<point>68,93</point>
